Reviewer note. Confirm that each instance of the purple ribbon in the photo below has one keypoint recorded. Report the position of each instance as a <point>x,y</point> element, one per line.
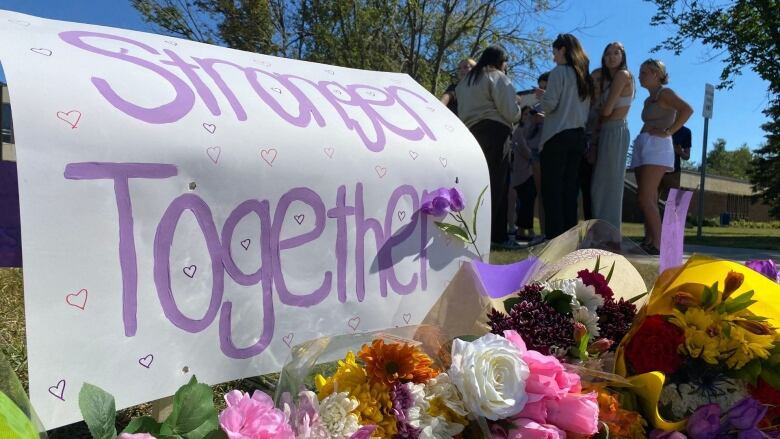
<point>497,281</point>
<point>673,229</point>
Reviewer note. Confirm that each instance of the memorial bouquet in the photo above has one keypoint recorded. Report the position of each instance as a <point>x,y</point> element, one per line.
<point>574,318</point>
<point>706,348</point>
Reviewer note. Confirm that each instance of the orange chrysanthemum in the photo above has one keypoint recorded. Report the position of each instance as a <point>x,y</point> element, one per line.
<point>396,362</point>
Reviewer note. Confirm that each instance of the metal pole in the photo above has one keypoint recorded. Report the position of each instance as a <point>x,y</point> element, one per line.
<point>703,172</point>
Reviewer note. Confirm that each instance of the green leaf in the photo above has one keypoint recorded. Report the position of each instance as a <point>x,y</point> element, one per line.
<point>754,318</point>
<point>144,424</point>
<point>771,375</point>
<point>598,259</point>
<point>739,306</point>
<point>193,407</point>
<point>217,434</point>
<point>453,230</point>
<point>204,430</point>
<point>13,420</point>
<point>582,348</point>
<point>99,411</point>
<point>560,301</point>
<point>476,210</point>
<point>709,296</point>
<point>726,328</point>
<point>637,297</point>
<point>611,270</point>
<point>510,303</point>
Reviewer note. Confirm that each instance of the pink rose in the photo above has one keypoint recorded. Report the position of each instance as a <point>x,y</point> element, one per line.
<point>135,436</point>
<point>527,429</point>
<point>548,378</point>
<point>535,411</point>
<point>575,412</point>
<point>254,417</point>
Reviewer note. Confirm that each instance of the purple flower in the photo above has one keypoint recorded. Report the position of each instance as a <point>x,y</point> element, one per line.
<point>766,267</point>
<point>704,423</point>
<point>402,401</point>
<point>456,200</point>
<point>746,414</point>
<point>661,434</point>
<point>436,203</point>
<point>753,433</point>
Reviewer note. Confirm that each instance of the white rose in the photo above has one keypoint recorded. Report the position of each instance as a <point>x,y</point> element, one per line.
<point>491,376</point>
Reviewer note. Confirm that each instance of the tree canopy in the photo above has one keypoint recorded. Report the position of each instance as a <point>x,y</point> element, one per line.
<point>424,38</point>
<point>736,163</point>
<point>747,34</point>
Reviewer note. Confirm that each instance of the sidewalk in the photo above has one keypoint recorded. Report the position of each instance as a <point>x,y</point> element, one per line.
<point>736,254</point>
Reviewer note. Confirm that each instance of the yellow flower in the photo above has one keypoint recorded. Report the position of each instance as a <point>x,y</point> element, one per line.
<point>348,376</point>
<point>374,403</point>
<point>702,333</point>
<point>742,346</point>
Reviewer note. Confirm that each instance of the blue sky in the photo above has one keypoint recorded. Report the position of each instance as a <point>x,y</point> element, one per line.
<point>737,112</point>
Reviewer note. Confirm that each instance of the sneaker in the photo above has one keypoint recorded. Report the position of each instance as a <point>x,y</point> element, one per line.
<point>509,244</point>
<point>650,249</point>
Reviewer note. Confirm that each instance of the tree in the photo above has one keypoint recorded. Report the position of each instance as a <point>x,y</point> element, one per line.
<point>424,38</point>
<point>736,164</point>
<point>747,33</point>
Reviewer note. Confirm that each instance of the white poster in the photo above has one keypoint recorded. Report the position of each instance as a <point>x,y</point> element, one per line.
<point>194,210</point>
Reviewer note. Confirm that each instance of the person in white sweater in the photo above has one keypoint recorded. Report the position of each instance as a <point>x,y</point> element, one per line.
<point>487,105</point>
<point>566,103</point>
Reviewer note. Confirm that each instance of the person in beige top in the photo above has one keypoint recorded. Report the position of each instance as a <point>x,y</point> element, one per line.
<point>653,154</point>
<point>487,106</point>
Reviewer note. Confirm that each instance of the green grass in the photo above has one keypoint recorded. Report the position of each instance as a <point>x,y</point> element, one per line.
<point>728,236</point>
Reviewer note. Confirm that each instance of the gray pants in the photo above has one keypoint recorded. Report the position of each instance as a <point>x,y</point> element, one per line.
<point>606,189</point>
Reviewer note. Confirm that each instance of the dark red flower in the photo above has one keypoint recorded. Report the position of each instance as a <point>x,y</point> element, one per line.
<point>654,346</point>
<point>597,281</point>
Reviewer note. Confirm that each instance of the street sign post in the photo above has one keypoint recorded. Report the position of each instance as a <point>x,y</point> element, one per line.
<point>709,96</point>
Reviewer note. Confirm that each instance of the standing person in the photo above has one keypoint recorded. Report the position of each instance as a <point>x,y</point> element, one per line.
<point>448,98</point>
<point>487,106</point>
<point>663,114</point>
<point>614,92</point>
<point>565,103</point>
<point>533,136</point>
<point>681,140</point>
<point>522,179</point>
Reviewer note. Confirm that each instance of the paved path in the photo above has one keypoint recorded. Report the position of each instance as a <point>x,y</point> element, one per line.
<point>736,254</point>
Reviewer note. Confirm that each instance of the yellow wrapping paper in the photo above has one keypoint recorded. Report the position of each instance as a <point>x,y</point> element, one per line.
<point>699,270</point>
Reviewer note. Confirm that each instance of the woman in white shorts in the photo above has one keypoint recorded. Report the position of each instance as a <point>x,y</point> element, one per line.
<point>653,153</point>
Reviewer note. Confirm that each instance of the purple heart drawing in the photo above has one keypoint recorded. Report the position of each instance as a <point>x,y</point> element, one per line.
<point>381,171</point>
<point>58,391</point>
<point>268,155</point>
<point>287,339</point>
<point>78,300</point>
<point>413,154</point>
<point>245,243</point>
<point>329,151</point>
<point>210,127</point>
<point>299,218</point>
<point>443,161</point>
<point>41,51</point>
<point>401,215</point>
<point>146,361</point>
<point>71,117</point>
<point>190,271</point>
<point>276,89</point>
<point>407,318</point>
<point>214,153</point>
<point>353,323</point>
